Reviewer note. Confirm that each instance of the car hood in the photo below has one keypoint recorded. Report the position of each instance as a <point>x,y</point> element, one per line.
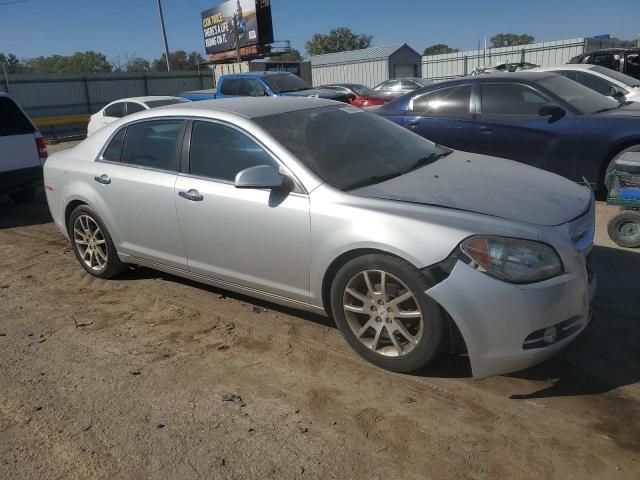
<point>488,185</point>
<point>317,92</point>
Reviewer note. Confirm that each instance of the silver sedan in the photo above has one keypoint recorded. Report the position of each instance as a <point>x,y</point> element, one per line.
<point>408,245</point>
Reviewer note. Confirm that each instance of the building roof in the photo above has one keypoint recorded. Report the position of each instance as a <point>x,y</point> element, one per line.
<point>363,55</point>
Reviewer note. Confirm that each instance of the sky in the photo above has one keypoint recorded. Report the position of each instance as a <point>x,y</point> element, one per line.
<point>126,28</point>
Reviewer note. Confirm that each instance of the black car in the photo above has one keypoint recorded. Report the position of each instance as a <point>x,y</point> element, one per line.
<point>625,60</point>
<point>541,119</point>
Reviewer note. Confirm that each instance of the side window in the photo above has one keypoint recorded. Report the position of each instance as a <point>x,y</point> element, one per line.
<point>594,82</point>
<point>116,110</point>
<point>220,152</point>
<point>570,74</point>
<point>408,85</point>
<point>134,107</point>
<point>606,60</point>
<point>153,144</point>
<point>391,86</point>
<point>510,99</point>
<point>242,87</point>
<point>455,100</point>
<point>113,152</point>
<point>12,120</point>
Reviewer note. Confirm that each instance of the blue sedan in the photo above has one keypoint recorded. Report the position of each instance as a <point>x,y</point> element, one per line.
<point>541,119</point>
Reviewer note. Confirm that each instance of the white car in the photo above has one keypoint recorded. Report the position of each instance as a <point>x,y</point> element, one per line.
<point>22,152</point>
<point>126,106</point>
<point>603,80</point>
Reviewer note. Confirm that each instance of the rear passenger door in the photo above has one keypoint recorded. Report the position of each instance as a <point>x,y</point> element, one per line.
<point>443,116</point>
<point>509,126</point>
<point>133,182</point>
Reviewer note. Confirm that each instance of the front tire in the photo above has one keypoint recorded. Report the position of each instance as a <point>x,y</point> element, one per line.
<point>379,305</point>
<point>92,244</point>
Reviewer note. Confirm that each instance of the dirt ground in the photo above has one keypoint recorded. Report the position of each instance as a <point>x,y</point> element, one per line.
<point>127,379</point>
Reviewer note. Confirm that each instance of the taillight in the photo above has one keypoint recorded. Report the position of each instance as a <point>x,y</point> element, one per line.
<point>41,144</point>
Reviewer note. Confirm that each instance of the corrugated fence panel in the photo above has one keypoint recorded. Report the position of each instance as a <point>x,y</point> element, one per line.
<point>545,54</point>
<point>365,73</point>
<point>61,95</point>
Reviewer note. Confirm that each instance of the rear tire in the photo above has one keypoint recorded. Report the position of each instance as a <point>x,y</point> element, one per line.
<point>92,244</point>
<point>624,228</point>
<point>379,305</point>
<point>23,196</point>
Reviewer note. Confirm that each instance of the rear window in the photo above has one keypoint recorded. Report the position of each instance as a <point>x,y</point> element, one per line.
<point>12,120</point>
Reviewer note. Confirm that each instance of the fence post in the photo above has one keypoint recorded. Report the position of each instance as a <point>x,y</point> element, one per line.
<point>466,69</point>
<point>201,79</point>
<point>522,55</point>
<point>86,93</point>
<point>146,85</point>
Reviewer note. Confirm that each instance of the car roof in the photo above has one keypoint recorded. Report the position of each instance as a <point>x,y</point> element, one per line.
<point>257,74</point>
<point>526,76</point>
<point>251,107</point>
<point>568,66</point>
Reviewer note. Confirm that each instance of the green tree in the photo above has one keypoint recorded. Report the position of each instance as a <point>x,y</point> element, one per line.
<point>179,60</point>
<point>13,64</point>
<point>511,39</point>
<point>439,49</point>
<point>339,39</point>
<point>137,64</point>
<point>292,56</point>
<point>79,62</point>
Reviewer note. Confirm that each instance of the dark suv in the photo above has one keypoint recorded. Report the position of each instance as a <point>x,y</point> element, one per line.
<point>625,60</point>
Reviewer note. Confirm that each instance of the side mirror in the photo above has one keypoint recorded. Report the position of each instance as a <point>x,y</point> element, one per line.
<point>551,110</point>
<point>260,176</point>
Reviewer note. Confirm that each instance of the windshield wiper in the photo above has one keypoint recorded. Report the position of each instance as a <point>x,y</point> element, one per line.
<point>372,180</point>
<point>432,157</point>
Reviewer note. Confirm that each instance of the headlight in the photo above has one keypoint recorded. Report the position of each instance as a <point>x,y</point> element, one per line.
<point>513,260</point>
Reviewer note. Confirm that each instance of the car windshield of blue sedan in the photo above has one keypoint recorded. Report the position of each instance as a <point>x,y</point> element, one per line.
<point>581,97</point>
<point>349,148</point>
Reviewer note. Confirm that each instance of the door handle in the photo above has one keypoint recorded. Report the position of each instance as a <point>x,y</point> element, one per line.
<point>193,195</point>
<point>103,179</point>
<point>485,129</point>
<point>414,122</point>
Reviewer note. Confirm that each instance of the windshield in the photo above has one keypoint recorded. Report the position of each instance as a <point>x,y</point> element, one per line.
<point>620,77</point>
<point>286,83</point>
<point>348,147</point>
<point>581,97</point>
<point>162,103</point>
<point>362,90</point>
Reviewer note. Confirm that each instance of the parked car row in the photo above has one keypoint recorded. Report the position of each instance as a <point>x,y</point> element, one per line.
<point>497,255</point>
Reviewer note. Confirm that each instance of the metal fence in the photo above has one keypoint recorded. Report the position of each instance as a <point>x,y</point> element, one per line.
<point>51,97</point>
<point>545,54</point>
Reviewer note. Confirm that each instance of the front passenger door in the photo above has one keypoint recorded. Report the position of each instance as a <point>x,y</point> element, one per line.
<point>509,126</point>
<point>256,238</point>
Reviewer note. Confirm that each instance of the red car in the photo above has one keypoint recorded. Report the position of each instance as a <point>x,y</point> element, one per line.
<point>359,95</point>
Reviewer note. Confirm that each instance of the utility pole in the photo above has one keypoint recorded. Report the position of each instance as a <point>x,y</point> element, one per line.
<point>164,36</point>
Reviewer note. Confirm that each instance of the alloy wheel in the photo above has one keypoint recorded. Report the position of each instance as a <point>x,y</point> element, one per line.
<point>383,313</point>
<point>90,242</point>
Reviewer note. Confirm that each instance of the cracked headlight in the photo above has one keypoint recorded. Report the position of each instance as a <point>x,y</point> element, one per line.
<point>513,260</point>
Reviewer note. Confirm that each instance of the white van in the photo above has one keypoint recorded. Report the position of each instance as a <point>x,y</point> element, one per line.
<point>22,152</point>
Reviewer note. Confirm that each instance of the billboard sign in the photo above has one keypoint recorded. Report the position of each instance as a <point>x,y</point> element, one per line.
<point>237,23</point>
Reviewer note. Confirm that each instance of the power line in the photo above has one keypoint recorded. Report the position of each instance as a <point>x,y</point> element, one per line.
<point>14,1</point>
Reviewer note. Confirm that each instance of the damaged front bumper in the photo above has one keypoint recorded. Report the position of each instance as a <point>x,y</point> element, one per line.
<point>508,327</point>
